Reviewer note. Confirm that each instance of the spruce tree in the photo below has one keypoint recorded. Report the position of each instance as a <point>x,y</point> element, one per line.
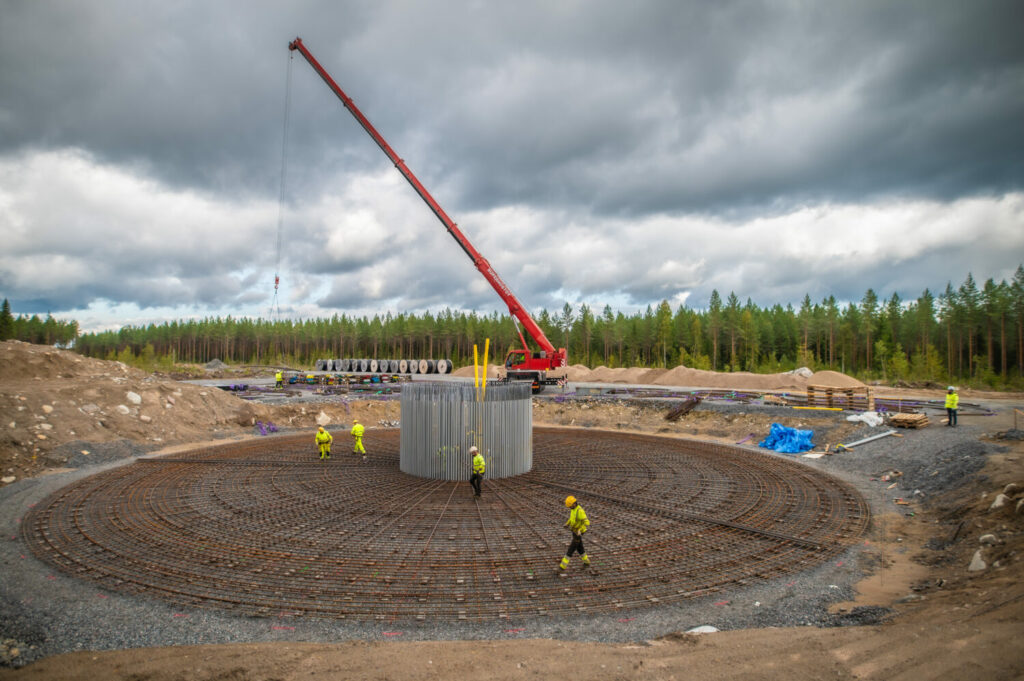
<point>6,322</point>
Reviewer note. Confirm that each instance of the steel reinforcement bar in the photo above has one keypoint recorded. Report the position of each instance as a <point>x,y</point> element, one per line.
<point>264,528</point>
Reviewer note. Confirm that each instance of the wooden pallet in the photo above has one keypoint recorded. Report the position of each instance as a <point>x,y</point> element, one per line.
<point>909,420</point>
<point>859,399</point>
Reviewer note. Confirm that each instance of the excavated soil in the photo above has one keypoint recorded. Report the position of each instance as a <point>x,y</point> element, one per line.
<point>918,613</point>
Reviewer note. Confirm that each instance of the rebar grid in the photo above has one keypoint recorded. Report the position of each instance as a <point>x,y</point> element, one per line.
<point>441,421</point>
<point>263,528</point>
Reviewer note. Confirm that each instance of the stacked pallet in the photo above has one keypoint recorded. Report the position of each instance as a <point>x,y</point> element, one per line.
<point>909,420</point>
<point>859,399</point>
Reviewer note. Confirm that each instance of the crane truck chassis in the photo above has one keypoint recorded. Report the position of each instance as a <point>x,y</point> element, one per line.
<point>548,366</point>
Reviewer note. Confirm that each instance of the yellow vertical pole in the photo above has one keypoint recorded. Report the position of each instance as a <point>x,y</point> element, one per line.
<point>487,350</point>
<point>476,370</point>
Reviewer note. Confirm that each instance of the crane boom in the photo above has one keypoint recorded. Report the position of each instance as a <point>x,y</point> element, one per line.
<point>552,358</point>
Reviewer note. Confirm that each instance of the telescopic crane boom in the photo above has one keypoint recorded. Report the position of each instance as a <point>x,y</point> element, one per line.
<point>520,364</point>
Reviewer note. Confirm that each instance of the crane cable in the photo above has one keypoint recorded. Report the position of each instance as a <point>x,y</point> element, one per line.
<point>275,309</point>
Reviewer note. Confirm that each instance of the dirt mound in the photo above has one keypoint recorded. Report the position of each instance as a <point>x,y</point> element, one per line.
<point>468,372</point>
<point>576,372</point>
<point>834,379</point>
<point>50,396</point>
<point>682,376</point>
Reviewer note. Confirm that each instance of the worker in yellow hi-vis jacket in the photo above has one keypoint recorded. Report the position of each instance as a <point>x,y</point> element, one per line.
<point>357,434</point>
<point>478,470</point>
<point>323,441</point>
<point>577,524</point>
<point>952,404</point>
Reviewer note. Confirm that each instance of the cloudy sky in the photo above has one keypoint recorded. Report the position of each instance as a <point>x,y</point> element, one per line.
<point>595,152</point>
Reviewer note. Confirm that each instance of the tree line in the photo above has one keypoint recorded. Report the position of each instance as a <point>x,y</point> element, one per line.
<point>32,329</point>
<point>966,333</point>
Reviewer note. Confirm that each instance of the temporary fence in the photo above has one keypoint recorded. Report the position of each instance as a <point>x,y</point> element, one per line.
<point>441,421</point>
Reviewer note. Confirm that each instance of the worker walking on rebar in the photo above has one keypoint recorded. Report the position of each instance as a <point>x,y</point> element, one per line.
<point>478,470</point>
<point>357,434</point>
<point>577,524</point>
<point>323,441</point>
<point>279,379</point>
<point>952,404</point>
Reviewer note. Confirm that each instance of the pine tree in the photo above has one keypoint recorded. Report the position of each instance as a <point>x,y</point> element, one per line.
<point>6,322</point>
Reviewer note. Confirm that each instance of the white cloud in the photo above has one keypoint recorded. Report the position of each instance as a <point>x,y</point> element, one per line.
<point>109,246</point>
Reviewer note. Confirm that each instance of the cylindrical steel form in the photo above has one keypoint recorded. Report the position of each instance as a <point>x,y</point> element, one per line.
<point>441,421</point>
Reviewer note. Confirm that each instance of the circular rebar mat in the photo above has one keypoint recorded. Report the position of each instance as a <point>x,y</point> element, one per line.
<point>264,528</point>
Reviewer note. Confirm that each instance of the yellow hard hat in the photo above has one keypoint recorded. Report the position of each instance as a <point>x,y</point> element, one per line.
<point>355,420</point>
<point>321,428</point>
<point>569,501</point>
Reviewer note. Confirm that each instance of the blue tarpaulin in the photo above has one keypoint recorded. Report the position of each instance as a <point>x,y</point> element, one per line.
<point>788,440</point>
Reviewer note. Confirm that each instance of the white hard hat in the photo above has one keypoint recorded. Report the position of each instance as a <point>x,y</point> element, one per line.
<point>950,388</point>
<point>473,449</point>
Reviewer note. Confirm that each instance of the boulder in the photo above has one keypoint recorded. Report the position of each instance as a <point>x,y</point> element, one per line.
<point>1001,501</point>
<point>702,629</point>
<point>988,540</point>
<point>977,563</point>
<point>134,397</point>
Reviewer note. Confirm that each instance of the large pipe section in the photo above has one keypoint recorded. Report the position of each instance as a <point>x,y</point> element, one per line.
<point>384,366</point>
<point>441,421</point>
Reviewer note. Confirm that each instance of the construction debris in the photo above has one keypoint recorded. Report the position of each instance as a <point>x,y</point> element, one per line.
<point>682,409</point>
<point>842,448</point>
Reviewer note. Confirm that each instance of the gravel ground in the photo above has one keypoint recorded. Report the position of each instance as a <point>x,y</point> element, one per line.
<point>48,613</point>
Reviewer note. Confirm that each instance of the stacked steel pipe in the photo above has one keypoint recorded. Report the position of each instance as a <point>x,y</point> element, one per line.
<point>441,421</point>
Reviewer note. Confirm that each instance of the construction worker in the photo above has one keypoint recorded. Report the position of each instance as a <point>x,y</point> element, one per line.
<point>952,404</point>
<point>357,433</point>
<point>279,379</point>
<point>323,441</point>
<point>577,524</point>
<point>478,470</point>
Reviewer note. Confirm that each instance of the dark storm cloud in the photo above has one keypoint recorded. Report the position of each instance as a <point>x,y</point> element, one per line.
<point>596,118</point>
<point>667,106</point>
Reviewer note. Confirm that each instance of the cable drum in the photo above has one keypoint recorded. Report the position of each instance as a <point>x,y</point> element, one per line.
<point>431,367</point>
<point>444,366</point>
<point>441,421</point>
<point>414,366</point>
<point>403,366</point>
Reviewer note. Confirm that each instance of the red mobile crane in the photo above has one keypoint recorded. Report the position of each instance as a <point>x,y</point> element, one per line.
<point>546,367</point>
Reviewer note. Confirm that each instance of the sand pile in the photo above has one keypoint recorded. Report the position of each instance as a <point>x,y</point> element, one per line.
<point>467,371</point>
<point>682,376</point>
